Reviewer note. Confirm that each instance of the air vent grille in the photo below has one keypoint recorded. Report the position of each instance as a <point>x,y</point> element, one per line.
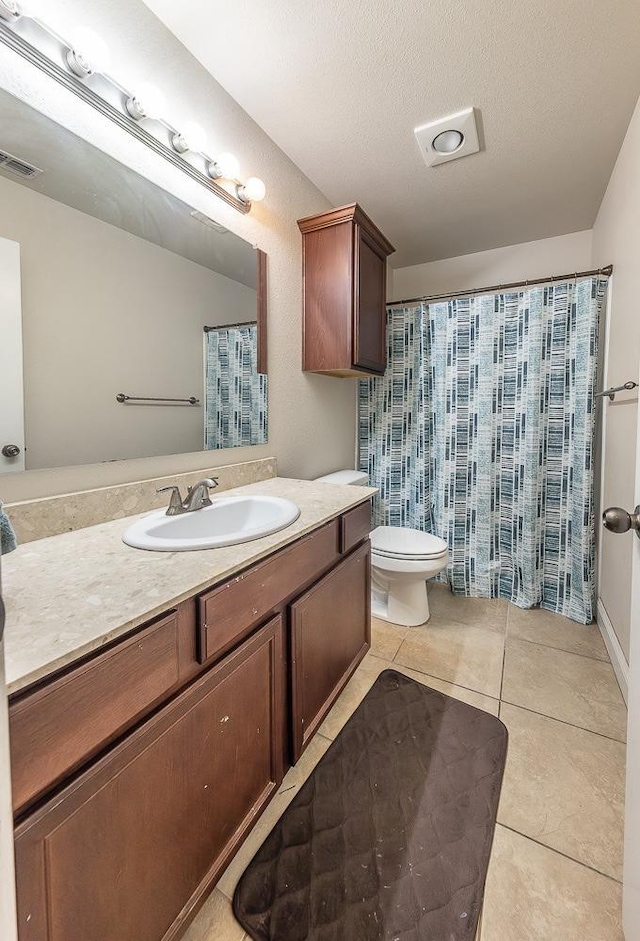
<point>18,167</point>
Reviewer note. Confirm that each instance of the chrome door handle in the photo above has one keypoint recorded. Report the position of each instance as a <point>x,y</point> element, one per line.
<point>617,520</point>
<point>10,450</point>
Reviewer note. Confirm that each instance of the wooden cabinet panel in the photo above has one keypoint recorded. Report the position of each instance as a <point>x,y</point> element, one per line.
<point>330,634</point>
<point>116,856</point>
<point>354,526</point>
<point>62,724</point>
<point>370,346</point>
<point>344,295</point>
<point>328,265</point>
<point>228,613</point>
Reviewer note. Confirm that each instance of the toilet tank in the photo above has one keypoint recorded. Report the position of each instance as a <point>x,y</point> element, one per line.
<point>352,478</point>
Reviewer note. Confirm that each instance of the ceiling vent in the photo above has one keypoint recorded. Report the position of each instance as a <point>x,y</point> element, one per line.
<point>18,167</point>
<point>449,138</point>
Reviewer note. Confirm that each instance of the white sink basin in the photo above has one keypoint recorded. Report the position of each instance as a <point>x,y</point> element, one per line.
<point>229,521</point>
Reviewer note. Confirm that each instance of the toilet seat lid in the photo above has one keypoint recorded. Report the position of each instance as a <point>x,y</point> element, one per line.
<point>402,542</point>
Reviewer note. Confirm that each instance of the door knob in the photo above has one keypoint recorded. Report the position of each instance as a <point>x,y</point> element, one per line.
<point>11,450</point>
<point>617,520</point>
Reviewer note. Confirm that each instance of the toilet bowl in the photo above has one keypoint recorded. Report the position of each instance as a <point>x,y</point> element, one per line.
<point>402,559</point>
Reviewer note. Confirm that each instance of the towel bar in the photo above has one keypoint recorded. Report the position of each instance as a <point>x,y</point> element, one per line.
<point>122,398</point>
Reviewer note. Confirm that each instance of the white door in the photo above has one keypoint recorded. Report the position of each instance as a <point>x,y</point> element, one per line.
<point>631,887</point>
<point>11,398</point>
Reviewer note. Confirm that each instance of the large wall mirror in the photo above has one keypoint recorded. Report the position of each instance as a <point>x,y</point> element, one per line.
<point>132,326</point>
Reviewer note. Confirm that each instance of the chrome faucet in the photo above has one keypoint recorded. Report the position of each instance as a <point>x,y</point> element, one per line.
<point>197,497</point>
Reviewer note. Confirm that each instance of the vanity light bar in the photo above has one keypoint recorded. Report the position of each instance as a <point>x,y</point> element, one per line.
<point>74,64</point>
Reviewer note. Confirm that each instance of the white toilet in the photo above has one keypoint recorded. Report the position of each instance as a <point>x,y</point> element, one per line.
<point>402,559</point>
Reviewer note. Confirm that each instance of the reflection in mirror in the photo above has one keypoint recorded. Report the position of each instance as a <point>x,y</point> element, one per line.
<point>235,392</point>
<point>106,283</point>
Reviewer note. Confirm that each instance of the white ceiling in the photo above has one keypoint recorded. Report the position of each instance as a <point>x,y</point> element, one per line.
<point>340,84</point>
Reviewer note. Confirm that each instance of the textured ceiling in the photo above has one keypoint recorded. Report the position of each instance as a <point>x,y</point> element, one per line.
<point>340,84</point>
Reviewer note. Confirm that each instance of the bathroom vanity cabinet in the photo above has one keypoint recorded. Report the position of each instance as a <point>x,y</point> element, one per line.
<point>344,303</point>
<point>139,772</point>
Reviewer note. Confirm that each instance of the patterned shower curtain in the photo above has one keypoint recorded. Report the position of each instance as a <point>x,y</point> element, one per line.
<point>235,392</point>
<point>482,431</point>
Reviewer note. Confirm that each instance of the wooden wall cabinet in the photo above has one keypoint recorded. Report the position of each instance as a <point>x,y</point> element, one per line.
<point>344,293</point>
<point>138,772</point>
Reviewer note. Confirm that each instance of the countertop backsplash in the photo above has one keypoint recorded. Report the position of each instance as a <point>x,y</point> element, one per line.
<point>51,516</point>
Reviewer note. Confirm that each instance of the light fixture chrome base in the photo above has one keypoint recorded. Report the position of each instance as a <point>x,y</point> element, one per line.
<point>78,64</point>
<point>9,10</point>
<point>135,108</point>
<point>179,143</point>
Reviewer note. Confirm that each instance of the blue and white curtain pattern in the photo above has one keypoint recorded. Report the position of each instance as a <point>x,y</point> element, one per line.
<point>235,392</point>
<point>482,431</point>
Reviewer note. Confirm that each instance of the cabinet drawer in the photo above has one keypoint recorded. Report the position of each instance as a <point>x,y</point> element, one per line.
<point>355,525</point>
<point>58,726</point>
<point>228,613</point>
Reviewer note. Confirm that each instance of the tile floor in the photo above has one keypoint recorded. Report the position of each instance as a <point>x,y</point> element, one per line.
<point>556,864</point>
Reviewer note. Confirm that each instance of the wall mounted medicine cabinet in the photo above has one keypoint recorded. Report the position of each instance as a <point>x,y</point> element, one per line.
<point>345,283</point>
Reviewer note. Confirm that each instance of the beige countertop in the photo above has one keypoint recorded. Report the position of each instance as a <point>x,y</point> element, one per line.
<point>68,595</point>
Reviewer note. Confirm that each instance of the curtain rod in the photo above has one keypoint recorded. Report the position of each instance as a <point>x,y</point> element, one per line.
<point>226,326</point>
<point>605,272</point>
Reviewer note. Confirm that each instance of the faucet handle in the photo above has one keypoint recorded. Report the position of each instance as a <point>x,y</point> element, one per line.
<point>203,487</point>
<point>198,496</point>
<point>175,503</point>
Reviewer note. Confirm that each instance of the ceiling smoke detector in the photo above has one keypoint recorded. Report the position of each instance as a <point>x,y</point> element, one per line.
<point>449,138</point>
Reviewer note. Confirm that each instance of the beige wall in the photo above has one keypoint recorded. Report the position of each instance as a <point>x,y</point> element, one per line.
<point>538,259</point>
<point>104,312</point>
<point>616,237</point>
<point>311,418</point>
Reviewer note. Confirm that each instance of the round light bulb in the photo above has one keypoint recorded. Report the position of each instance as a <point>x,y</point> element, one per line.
<point>9,10</point>
<point>88,53</point>
<point>147,102</point>
<point>228,166</point>
<point>253,191</point>
<point>195,136</point>
<point>191,137</point>
<point>447,142</point>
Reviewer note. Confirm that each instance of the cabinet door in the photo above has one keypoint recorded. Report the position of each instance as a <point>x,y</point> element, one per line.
<point>330,634</point>
<point>370,327</point>
<point>127,851</point>
<point>328,257</point>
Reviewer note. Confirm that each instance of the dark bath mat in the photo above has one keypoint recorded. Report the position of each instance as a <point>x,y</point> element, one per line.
<point>389,839</point>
